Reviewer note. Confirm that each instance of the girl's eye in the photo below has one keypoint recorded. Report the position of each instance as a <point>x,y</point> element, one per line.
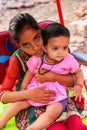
<point>25,45</point>
<point>37,38</point>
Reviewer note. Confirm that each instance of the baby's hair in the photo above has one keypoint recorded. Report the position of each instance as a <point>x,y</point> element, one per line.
<point>54,30</point>
<point>19,23</point>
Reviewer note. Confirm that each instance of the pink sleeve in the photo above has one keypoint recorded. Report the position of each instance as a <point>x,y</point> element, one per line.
<point>74,65</point>
<point>33,63</point>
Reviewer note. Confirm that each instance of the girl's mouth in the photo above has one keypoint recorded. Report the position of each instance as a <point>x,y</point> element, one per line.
<point>39,53</point>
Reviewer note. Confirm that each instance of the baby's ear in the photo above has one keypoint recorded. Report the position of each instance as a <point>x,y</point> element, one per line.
<point>44,48</point>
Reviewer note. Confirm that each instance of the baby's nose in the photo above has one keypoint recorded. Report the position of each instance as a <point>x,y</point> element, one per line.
<point>60,51</point>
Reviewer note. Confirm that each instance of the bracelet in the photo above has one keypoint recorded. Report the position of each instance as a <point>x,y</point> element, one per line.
<point>74,79</point>
<point>80,85</point>
<point>3,95</point>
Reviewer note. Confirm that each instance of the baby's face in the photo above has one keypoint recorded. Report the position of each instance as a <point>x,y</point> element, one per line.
<point>57,48</point>
<point>31,42</point>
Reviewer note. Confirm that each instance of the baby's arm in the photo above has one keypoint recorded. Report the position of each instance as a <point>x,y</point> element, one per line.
<point>26,80</point>
<point>77,89</point>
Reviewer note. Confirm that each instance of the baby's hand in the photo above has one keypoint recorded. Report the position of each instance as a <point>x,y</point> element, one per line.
<point>41,78</point>
<point>77,92</point>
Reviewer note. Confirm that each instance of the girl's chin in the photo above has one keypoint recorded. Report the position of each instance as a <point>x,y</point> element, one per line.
<point>39,54</point>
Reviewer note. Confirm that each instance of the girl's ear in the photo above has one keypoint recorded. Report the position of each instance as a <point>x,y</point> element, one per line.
<point>44,48</point>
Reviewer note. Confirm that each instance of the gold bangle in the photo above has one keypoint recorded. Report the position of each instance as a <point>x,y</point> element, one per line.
<point>3,95</point>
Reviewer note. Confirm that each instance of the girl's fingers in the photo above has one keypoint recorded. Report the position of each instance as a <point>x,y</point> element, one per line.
<point>47,100</point>
<point>48,92</point>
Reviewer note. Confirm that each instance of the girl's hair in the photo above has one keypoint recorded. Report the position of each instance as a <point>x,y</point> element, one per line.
<point>54,30</point>
<point>19,23</point>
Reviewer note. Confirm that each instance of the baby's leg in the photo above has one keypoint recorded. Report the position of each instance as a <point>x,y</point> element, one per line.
<point>11,111</point>
<point>45,119</point>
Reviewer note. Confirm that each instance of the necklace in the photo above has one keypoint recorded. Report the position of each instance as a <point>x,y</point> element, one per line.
<point>46,71</point>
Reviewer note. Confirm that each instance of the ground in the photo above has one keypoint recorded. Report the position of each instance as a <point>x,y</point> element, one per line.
<point>43,11</point>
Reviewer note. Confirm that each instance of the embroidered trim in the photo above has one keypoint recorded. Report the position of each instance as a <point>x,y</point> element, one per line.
<point>23,58</point>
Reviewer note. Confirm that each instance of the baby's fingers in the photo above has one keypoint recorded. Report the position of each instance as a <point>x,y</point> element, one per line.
<point>78,96</point>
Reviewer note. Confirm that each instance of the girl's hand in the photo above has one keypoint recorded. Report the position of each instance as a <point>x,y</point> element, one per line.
<point>41,95</point>
<point>77,92</point>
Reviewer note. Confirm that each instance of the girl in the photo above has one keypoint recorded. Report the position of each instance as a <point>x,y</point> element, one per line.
<point>59,103</point>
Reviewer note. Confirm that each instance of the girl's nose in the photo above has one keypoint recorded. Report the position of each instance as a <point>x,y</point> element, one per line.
<point>35,47</point>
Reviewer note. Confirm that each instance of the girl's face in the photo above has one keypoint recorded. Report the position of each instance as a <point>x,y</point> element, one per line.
<point>30,41</point>
<point>56,49</point>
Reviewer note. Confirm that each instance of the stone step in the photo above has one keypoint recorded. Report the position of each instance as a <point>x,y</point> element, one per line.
<point>78,43</point>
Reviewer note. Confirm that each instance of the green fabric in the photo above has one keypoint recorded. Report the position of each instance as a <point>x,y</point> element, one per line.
<point>84,120</point>
<point>11,123</point>
<point>19,58</point>
<point>31,115</point>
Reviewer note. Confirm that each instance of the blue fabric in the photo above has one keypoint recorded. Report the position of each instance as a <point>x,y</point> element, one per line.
<point>9,45</point>
<point>80,56</point>
<point>3,58</point>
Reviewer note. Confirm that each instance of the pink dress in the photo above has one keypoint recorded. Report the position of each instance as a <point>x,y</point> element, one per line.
<point>68,65</point>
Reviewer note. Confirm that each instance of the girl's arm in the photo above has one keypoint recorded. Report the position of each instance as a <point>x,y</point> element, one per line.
<point>38,95</point>
<point>65,79</point>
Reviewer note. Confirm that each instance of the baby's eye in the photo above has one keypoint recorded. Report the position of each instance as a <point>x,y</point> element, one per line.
<point>37,38</point>
<point>55,48</point>
<point>25,45</point>
<point>65,48</point>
